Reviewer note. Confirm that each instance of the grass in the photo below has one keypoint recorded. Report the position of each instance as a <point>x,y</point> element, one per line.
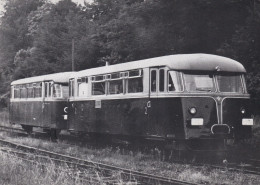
<point>4,117</point>
<point>24,172</point>
<point>16,171</point>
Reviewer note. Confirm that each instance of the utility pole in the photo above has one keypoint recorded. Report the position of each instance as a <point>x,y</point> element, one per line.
<point>72,56</point>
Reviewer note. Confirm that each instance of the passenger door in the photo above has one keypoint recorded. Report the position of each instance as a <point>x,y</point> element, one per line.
<point>46,104</point>
<point>156,86</point>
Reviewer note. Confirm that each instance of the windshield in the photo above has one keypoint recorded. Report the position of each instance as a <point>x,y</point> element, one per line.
<point>199,82</point>
<point>230,83</point>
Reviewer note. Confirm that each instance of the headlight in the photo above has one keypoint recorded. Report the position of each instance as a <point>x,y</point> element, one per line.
<point>243,110</point>
<point>193,110</point>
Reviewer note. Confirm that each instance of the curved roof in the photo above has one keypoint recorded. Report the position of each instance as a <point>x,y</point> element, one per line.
<point>195,62</point>
<point>56,77</point>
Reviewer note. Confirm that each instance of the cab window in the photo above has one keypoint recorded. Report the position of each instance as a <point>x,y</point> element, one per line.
<point>199,82</point>
<point>174,82</point>
<point>230,83</point>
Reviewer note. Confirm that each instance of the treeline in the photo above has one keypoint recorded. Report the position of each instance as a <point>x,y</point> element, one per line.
<point>36,36</point>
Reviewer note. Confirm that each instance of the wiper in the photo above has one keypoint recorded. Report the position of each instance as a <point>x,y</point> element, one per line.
<point>204,89</point>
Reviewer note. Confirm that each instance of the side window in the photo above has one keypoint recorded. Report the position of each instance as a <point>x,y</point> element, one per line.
<point>30,91</point>
<point>16,91</point>
<point>115,85</point>
<point>82,86</point>
<point>12,92</point>
<point>135,81</point>
<point>153,80</point>
<point>57,91</point>
<point>98,85</point>
<point>47,89</point>
<point>23,91</point>
<point>174,81</point>
<point>65,91</point>
<point>161,82</point>
<point>37,90</point>
<point>71,87</point>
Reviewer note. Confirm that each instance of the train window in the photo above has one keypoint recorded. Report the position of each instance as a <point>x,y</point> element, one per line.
<point>161,83</point>
<point>83,87</point>
<point>99,78</point>
<point>135,85</point>
<point>115,75</point>
<point>65,91</point>
<point>153,80</point>
<point>16,91</point>
<point>230,83</point>
<point>199,82</point>
<point>23,91</point>
<point>84,80</point>
<point>71,87</point>
<point>57,91</point>
<point>115,87</point>
<point>47,89</point>
<point>30,91</point>
<point>174,81</point>
<point>37,90</point>
<point>12,92</point>
<point>98,88</point>
<point>135,73</point>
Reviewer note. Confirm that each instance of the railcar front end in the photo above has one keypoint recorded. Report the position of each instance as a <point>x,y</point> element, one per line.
<point>215,107</point>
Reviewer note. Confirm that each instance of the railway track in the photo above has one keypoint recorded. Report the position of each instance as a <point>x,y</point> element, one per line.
<point>139,177</point>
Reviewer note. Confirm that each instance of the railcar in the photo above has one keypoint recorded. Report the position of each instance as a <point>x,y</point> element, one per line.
<point>183,100</point>
<point>40,101</point>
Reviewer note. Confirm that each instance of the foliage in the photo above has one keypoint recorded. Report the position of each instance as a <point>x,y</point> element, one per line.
<point>36,35</point>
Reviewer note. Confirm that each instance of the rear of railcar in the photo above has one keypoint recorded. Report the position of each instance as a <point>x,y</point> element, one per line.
<point>40,101</point>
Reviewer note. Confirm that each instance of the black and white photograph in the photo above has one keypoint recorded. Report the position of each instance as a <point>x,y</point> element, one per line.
<point>129,92</point>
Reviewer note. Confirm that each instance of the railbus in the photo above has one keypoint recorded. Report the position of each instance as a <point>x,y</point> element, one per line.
<point>187,100</point>
<point>40,101</point>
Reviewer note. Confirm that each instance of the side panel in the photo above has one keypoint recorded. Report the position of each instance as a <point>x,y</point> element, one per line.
<point>129,117</point>
<point>35,113</point>
<point>118,116</point>
<point>26,113</point>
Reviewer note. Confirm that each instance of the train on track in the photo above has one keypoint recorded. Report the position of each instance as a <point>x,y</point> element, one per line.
<point>184,101</point>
